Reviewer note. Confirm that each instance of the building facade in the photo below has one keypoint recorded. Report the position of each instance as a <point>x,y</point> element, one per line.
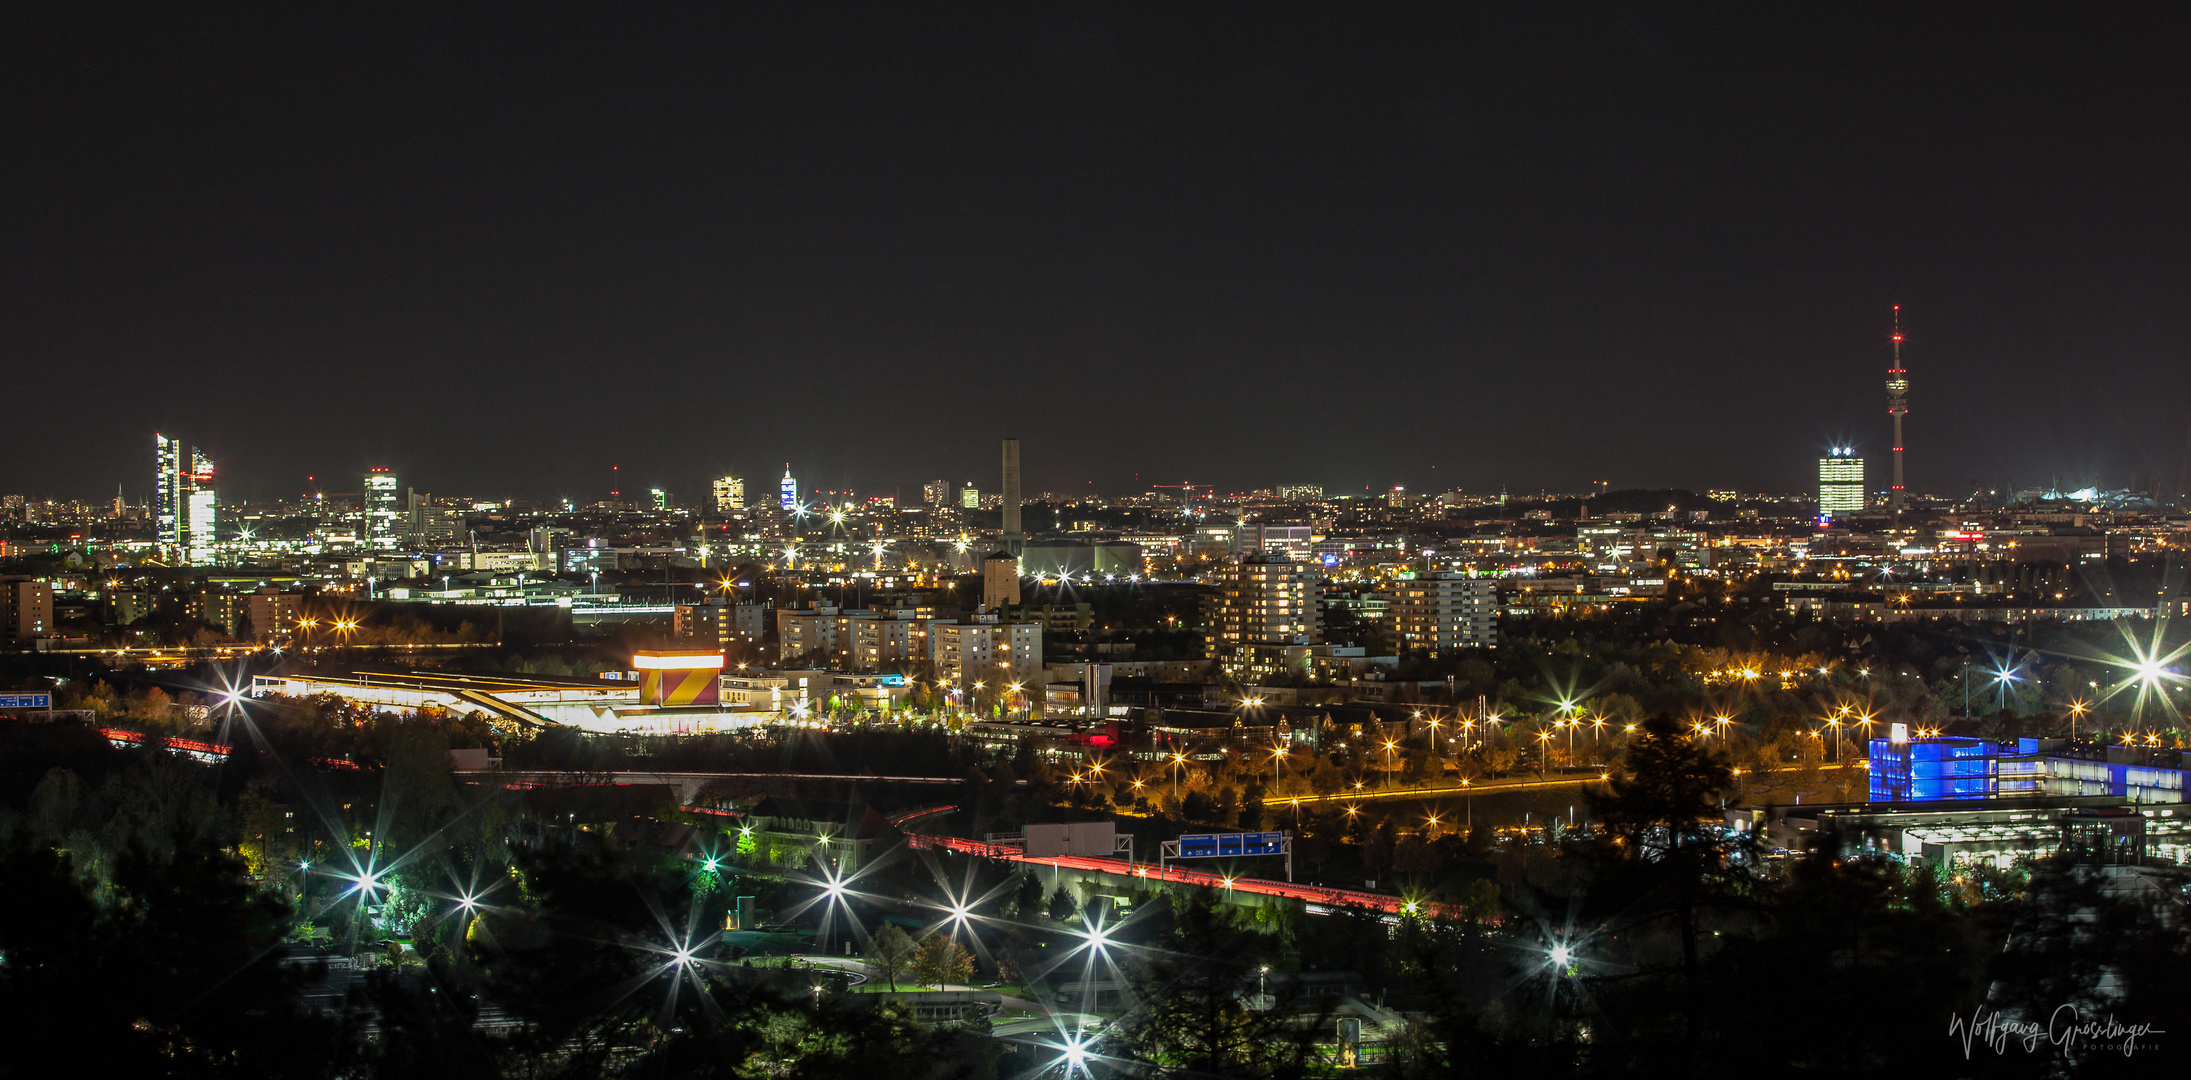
<point>184,507</point>
<point>1267,601</point>
<point>26,609</point>
<point>1840,483</point>
<point>1444,613</point>
<point>384,517</point>
<point>970,652</point>
<point>730,495</point>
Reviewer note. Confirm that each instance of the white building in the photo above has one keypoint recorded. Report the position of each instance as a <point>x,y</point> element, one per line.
<point>384,519</point>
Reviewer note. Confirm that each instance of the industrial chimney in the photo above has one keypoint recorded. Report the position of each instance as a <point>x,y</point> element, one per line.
<point>1013,537</point>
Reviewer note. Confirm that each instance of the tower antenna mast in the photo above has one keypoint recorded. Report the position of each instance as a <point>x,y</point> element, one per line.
<point>1898,388</point>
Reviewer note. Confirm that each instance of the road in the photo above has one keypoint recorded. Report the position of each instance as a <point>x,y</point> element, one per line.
<point>688,784</point>
<point>1487,787</point>
<point>1315,894</point>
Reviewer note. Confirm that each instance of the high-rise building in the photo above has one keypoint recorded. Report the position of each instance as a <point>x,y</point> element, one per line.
<point>936,493</point>
<point>384,516</point>
<point>730,495</point>
<point>790,489</point>
<point>183,505</point>
<point>970,496</point>
<point>1301,492</point>
<point>658,499</point>
<point>1898,406</point>
<point>1840,483</point>
<point>194,498</point>
<point>1271,600</point>
<point>426,525</point>
<point>1443,612</point>
<point>168,499</point>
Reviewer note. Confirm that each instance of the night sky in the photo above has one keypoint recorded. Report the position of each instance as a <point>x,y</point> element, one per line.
<point>501,248</point>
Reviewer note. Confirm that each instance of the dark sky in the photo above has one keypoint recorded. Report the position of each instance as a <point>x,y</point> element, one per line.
<point>501,248</point>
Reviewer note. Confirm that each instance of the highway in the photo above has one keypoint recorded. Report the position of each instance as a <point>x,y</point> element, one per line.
<point>1315,894</point>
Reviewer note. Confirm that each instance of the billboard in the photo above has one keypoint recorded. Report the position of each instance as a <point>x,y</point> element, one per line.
<point>1098,838</point>
<point>26,701</point>
<point>679,678</point>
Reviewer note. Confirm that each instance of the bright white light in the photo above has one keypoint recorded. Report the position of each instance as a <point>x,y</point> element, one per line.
<point>1076,1054</point>
<point>683,957</point>
<point>710,864</point>
<point>467,903</point>
<point>1561,954</point>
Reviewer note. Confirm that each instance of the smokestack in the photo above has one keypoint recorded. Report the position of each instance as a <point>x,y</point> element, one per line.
<point>1012,533</point>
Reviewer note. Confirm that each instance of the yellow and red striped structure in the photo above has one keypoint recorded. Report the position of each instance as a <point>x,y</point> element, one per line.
<point>675,677</point>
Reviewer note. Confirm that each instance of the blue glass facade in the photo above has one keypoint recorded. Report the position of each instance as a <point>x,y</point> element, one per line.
<point>1928,770</point>
<point>1935,769</point>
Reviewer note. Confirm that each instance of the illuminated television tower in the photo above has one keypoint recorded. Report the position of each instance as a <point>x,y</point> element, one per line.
<point>1898,406</point>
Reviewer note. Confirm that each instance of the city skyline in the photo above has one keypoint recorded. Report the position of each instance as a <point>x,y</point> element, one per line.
<point>1095,542</point>
<point>1673,233</point>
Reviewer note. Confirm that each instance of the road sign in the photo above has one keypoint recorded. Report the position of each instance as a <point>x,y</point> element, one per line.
<point>26,701</point>
<point>1228,845</point>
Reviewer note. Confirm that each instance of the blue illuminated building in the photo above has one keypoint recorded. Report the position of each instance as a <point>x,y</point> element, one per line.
<point>1954,768</point>
<point>1929,770</point>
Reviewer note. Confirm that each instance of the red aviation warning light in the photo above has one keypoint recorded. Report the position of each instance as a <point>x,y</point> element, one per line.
<point>1898,388</point>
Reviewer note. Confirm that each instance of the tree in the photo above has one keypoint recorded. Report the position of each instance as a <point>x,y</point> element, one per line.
<point>1664,816</point>
<point>941,960</point>
<point>1195,1019</point>
<point>890,952</point>
<point>1028,900</point>
<point>1062,905</point>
